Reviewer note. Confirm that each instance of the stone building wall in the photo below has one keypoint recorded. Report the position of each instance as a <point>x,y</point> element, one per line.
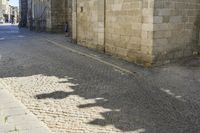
<point>2,8</point>
<point>39,14</point>
<point>116,27</point>
<point>129,30</point>
<point>124,28</point>
<point>142,31</point>
<point>176,29</point>
<point>145,55</point>
<point>90,23</point>
<point>199,40</point>
<point>74,21</point>
<point>69,16</point>
<point>58,15</point>
<point>23,8</point>
<point>50,15</point>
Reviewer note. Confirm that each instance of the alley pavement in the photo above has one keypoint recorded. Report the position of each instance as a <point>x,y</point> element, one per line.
<point>72,89</point>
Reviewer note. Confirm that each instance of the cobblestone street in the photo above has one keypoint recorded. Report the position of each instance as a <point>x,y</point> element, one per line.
<point>76,90</point>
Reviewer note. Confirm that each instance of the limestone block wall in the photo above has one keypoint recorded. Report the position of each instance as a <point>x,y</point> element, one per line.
<point>199,39</point>
<point>118,27</point>
<point>58,15</point>
<point>90,23</point>
<point>69,15</point>
<point>176,29</point>
<point>74,20</point>
<point>145,55</point>
<point>129,29</point>
<point>29,13</point>
<point>124,28</point>
<point>50,15</point>
<point>23,11</point>
<point>142,31</point>
<point>39,15</point>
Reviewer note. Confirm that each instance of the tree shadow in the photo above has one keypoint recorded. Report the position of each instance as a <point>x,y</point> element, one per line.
<point>142,107</point>
<point>53,95</point>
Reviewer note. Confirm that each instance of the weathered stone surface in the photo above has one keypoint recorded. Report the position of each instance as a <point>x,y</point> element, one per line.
<point>178,35</point>
<point>23,7</point>
<point>50,15</point>
<point>90,23</point>
<point>116,27</point>
<point>159,28</point>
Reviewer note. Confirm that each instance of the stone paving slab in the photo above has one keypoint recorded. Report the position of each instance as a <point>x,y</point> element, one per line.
<point>15,118</point>
<point>76,90</point>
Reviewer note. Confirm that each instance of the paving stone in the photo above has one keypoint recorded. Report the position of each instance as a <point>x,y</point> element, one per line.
<point>73,93</point>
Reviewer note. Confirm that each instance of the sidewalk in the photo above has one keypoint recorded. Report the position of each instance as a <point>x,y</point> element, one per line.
<point>15,118</point>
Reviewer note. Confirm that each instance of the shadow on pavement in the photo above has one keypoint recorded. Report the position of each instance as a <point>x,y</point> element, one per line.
<point>143,109</point>
<point>135,104</point>
<point>54,95</point>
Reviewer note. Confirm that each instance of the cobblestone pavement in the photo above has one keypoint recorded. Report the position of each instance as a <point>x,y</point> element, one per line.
<point>73,89</point>
<point>15,118</point>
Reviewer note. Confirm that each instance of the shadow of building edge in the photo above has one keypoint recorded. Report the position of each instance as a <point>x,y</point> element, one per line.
<point>166,112</point>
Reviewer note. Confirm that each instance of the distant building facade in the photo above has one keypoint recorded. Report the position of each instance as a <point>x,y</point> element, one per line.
<point>147,32</point>
<point>4,10</point>
<point>14,14</point>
